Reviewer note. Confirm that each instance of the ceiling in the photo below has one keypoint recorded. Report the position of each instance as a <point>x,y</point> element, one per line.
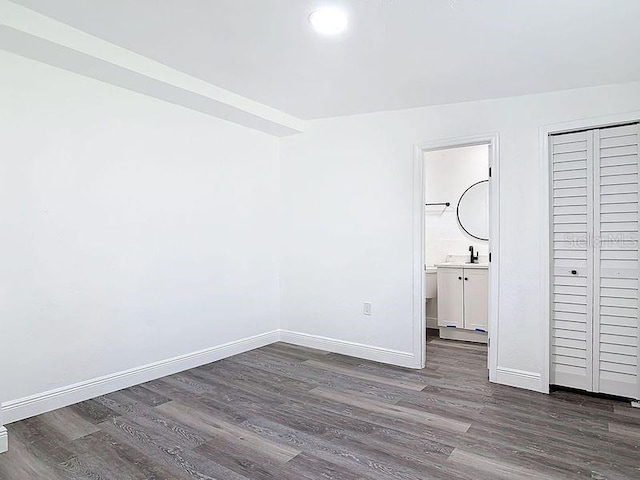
<point>396,53</point>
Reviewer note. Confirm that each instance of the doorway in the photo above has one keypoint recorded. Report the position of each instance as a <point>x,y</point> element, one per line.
<point>457,236</point>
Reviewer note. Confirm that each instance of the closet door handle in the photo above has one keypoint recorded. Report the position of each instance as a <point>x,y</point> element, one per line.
<point>459,278</point>
<point>466,278</point>
<point>574,272</point>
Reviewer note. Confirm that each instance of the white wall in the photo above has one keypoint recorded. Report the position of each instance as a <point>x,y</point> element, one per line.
<point>347,189</point>
<point>132,230</point>
<point>448,173</point>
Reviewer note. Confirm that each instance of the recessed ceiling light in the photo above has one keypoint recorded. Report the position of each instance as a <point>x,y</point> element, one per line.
<point>329,21</point>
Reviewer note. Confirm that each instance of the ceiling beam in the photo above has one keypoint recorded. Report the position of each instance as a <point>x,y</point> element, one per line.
<point>32,35</point>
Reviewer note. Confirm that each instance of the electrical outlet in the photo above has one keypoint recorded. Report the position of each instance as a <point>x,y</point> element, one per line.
<point>367,308</point>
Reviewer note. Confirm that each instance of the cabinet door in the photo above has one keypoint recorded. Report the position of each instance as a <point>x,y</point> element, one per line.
<point>476,299</point>
<point>450,297</point>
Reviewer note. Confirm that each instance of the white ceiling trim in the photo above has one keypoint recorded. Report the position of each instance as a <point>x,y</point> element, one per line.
<point>30,34</point>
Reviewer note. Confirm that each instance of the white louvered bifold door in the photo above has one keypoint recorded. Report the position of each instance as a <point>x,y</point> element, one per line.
<point>615,332</point>
<point>595,344</point>
<point>572,220</point>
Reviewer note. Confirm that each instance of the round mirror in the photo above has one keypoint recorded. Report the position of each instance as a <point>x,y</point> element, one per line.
<point>473,210</point>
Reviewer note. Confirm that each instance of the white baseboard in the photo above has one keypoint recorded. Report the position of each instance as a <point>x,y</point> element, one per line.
<point>4,440</point>
<point>15,410</point>
<point>26,407</point>
<point>519,379</point>
<point>432,322</point>
<point>352,349</point>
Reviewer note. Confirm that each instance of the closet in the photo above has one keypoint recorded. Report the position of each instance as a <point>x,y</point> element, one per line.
<point>594,271</point>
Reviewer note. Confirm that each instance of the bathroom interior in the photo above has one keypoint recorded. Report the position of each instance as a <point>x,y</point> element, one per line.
<point>457,244</point>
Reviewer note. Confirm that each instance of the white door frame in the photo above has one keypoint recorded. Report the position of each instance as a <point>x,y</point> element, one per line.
<point>419,314</point>
<point>545,223</point>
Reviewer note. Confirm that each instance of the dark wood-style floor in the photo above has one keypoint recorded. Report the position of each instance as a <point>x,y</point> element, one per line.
<point>285,412</point>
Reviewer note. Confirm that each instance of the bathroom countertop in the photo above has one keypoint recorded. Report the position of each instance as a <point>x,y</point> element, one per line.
<point>462,265</point>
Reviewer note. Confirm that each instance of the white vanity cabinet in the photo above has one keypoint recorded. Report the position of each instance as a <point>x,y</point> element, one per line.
<point>463,301</point>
